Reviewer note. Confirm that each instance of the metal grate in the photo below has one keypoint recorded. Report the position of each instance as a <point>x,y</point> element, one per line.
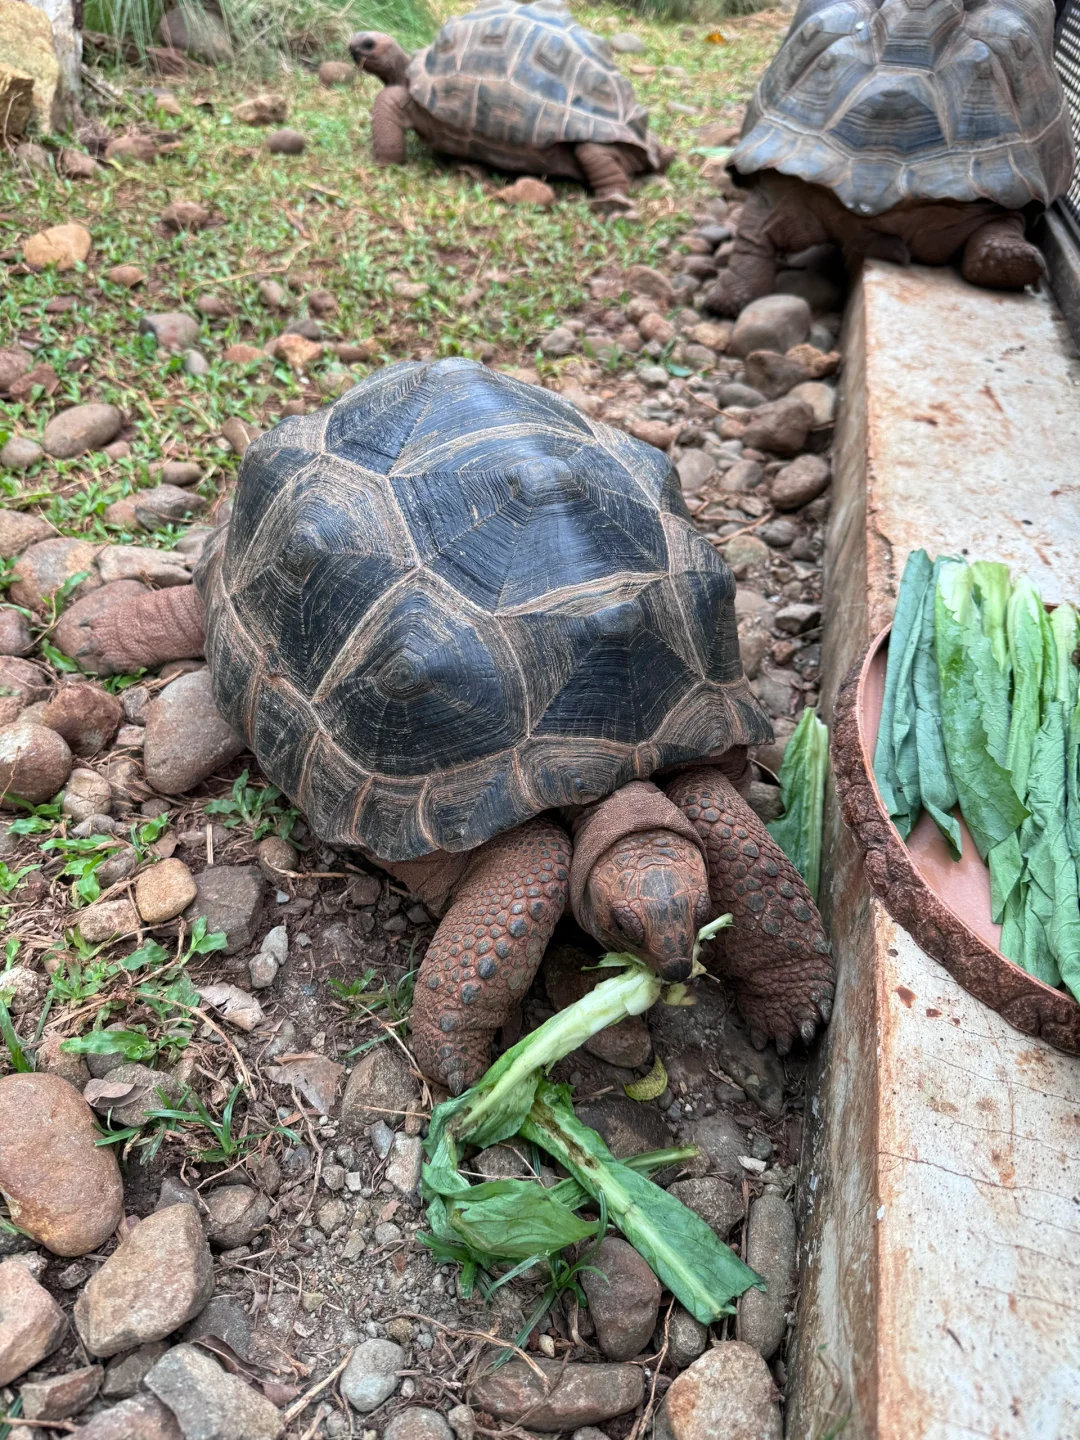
<point>1067,59</point>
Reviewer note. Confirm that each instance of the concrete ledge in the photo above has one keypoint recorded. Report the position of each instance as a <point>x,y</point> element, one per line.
<point>1063,263</point>
<point>940,1217</point>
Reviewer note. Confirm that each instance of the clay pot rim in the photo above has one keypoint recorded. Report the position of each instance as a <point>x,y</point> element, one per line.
<point>1027,1003</point>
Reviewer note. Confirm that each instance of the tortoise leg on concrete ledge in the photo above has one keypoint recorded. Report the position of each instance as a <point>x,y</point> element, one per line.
<point>147,630</point>
<point>999,257</point>
<point>487,950</point>
<point>389,125</point>
<point>608,177</point>
<point>775,953</point>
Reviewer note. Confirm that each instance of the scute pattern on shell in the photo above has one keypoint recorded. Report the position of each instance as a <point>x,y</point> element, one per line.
<point>526,76</point>
<point>912,100</point>
<point>449,602</point>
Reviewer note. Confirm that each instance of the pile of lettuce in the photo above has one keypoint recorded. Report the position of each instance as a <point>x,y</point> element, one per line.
<point>521,1223</point>
<point>981,714</point>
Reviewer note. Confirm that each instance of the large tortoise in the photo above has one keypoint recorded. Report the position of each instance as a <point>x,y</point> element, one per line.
<point>903,129</point>
<point>522,88</point>
<point>459,623</point>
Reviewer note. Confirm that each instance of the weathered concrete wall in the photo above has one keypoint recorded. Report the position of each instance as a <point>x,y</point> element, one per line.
<point>941,1270</point>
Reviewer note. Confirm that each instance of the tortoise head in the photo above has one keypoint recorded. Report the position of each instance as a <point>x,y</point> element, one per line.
<point>649,894</point>
<point>379,55</point>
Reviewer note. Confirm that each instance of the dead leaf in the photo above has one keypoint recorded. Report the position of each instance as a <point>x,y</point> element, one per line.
<point>102,1095</point>
<point>234,1005</point>
<point>316,1078</point>
<point>716,37</point>
<point>43,375</point>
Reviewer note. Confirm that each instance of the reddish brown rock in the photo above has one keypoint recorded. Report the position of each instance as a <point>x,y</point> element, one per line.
<point>728,1392</point>
<point>46,567</point>
<point>81,428</point>
<point>86,715</point>
<point>64,246</point>
<point>159,1277</point>
<point>526,191</point>
<point>32,1325</point>
<point>580,1394</point>
<point>61,1395</point>
<point>185,215</point>
<point>61,1187</point>
<point>131,147</point>
<point>143,1417</point>
<point>624,1299</point>
<point>34,764</point>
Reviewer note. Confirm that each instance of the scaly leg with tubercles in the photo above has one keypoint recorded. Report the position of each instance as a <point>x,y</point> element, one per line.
<point>487,950</point>
<point>775,953</point>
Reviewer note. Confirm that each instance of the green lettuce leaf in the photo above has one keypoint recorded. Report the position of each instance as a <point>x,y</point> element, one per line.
<point>974,712</point>
<point>802,786</point>
<point>700,1271</point>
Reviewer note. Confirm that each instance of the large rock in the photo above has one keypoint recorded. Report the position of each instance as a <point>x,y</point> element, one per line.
<point>86,715</point>
<point>728,1393</point>
<point>141,1418</point>
<point>770,1250</point>
<point>229,899</point>
<point>187,739</point>
<point>774,374</point>
<point>163,891</point>
<point>20,453</point>
<point>721,1142</point>
<point>172,330</point>
<point>35,762</point>
<point>108,919</point>
<point>417,1423</point>
<point>22,683</point>
<point>46,567</point>
<point>779,426</point>
<point>236,1214</point>
<point>62,1188</point>
<point>381,1087</point>
<point>81,428</point>
<point>159,1277</point>
<point>624,1298</point>
<point>627,1127</point>
<point>32,1325</point>
<point>27,45</point>
<point>800,482</point>
<point>580,1394</point>
<point>716,1200</point>
<point>165,504</point>
<point>73,635</point>
<point>371,1374</point>
<point>644,280</point>
<point>209,1403</point>
<point>19,530</point>
<point>61,1395</point>
<point>775,322</point>
<point>15,636</point>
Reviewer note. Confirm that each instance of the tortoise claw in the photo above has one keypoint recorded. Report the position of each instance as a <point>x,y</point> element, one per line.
<point>806,1030</point>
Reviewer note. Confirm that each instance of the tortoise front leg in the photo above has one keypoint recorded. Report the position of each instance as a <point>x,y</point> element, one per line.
<point>775,952</point>
<point>751,270</point>
<point>390,124</point>
<point>608,177</point>
<point>999,257</point>
<point>487,950</point>
<point>147,630</point>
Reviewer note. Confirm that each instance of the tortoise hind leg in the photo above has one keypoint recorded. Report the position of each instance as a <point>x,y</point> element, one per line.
<point>487,950</point>
<point>145,630</point>
<point>999,257</point>
<point>775,953</point>
<point>389,125</point>
<point>608,177</point>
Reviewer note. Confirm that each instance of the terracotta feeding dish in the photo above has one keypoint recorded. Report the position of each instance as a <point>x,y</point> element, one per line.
<point>943,904</point>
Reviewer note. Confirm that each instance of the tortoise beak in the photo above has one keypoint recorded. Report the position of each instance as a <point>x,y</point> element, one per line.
<point>675,967</point>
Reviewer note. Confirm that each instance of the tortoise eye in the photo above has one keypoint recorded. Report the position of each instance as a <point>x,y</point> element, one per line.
<point>630,927</point>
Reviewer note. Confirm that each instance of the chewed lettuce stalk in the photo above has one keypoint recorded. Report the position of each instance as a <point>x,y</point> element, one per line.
<point>503,1220</point>
<point>701,1272</point>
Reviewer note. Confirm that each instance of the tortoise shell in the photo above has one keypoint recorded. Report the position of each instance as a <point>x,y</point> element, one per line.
<point>912,100</point>
<point>450,601</point>
<point>526,76</point>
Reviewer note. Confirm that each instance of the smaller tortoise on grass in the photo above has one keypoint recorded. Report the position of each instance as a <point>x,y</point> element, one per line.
<point>906,130</point>
<point>462,626</point>
<point>522,88</point>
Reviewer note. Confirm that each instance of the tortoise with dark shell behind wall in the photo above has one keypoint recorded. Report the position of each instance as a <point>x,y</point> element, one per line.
<point>475,633</point>
<point>523,88</point>
<point>921,130</point>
